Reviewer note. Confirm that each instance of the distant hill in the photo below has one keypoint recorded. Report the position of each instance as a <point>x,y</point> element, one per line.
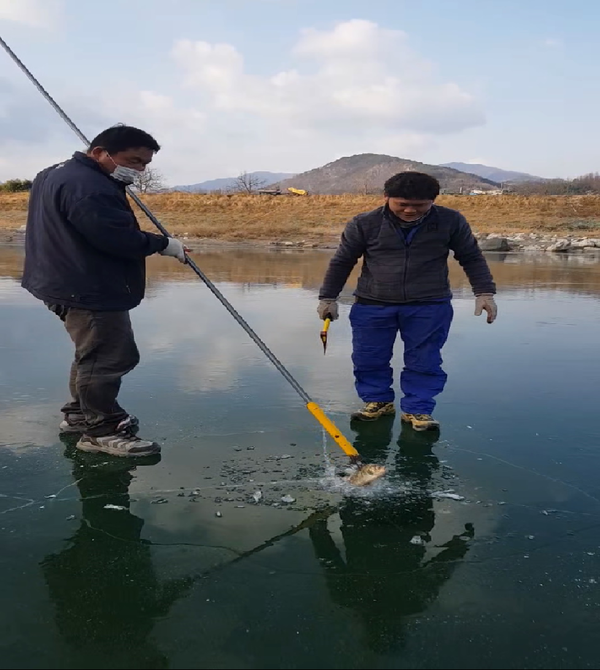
<point>493,173</point>
<point>366,173</point>
<point>227,183</point>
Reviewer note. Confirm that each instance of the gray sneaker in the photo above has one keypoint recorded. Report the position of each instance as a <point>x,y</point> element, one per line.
<point>70,426</point>
<point>123,444</point>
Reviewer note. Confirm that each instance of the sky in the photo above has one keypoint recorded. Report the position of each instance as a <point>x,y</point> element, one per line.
<point>228,86</point>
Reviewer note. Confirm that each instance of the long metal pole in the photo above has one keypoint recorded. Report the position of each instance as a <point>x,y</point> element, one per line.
<point>314,409</point>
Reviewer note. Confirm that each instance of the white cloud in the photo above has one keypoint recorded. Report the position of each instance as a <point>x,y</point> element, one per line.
<point>33,13</point>
<point>366,81</point>
<point>32,136</point>
<point>355,88</point>
<point>157,113</point>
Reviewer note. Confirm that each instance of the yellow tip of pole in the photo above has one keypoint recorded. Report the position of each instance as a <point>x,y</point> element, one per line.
<point>332,429</point>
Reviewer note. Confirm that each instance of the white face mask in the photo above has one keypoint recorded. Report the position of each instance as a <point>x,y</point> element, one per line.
<point>124,174</point>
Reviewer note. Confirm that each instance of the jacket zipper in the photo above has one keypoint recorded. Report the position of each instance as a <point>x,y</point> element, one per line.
<point>407,246</point>
<point>406,243</point>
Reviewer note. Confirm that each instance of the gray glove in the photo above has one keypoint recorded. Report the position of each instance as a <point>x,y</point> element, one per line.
<point>176,249</point>
<point>328,309</point>
<point>486,301</point>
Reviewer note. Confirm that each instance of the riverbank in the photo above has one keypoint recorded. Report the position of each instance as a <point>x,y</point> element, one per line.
<point>501,223</point>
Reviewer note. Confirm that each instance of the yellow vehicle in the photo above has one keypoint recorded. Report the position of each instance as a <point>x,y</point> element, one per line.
<point>297,191</point>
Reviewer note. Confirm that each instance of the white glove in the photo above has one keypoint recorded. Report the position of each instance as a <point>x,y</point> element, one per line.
<point>175,248</point>
<point>328,309</point>
<point>486,301</point>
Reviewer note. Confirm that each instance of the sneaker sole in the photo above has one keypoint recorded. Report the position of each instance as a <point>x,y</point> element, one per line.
<point>422,429</point>
<point>71,430</point>
<point>92,449</point>
<point>363,417</point>
<point>358,416</point>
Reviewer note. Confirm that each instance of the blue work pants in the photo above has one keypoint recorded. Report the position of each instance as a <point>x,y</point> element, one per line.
<point>424,330</point>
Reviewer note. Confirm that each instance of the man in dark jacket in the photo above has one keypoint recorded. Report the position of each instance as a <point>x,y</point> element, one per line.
<point>404,287</point>
<point>85,257</point>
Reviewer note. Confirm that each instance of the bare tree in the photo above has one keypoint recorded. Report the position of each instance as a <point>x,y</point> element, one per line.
<point>248,183</point>
<point>148,181</point>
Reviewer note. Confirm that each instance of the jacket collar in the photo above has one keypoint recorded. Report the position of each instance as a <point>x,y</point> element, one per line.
<point>430,219</point>
<point>86,161</point>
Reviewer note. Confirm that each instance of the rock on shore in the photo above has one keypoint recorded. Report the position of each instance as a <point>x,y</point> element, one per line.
<point>532,242</point>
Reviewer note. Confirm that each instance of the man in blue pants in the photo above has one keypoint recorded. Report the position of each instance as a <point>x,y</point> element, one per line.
<point>404,288</point>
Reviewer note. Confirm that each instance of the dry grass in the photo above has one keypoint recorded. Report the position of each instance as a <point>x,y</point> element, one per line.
<point>321,218</point>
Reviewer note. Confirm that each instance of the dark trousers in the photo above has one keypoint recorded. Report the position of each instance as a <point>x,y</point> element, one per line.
<point>105,351</point>
<point>424,330</point>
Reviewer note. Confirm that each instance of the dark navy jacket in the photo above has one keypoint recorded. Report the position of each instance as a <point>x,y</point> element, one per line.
<point>397,271</point>
<point>83,245</point>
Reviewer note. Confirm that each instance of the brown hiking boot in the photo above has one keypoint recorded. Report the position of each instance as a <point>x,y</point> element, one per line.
<point>421,421</point>
<point>373,411</point>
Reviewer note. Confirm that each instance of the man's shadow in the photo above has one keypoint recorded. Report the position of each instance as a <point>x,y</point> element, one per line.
<point>391,570</point>
<point>103,585</point>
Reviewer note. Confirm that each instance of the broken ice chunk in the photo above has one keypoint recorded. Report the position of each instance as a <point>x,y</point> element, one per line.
<point>448,495</point>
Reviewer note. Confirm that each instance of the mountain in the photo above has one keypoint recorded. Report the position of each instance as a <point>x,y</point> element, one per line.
<point>227,183</point>
<point>366,173</point>
<point>495,174</point>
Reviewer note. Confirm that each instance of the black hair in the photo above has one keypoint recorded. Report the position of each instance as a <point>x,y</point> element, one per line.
<point>412,186</point>
<point>122,137</point>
